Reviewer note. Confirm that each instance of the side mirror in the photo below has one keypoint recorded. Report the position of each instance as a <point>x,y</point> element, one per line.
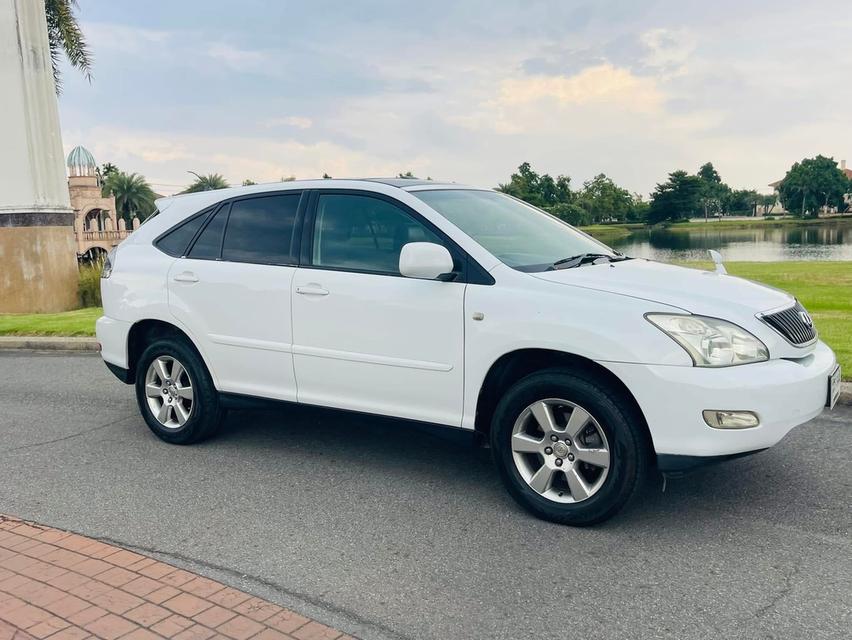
<point>425,260</point>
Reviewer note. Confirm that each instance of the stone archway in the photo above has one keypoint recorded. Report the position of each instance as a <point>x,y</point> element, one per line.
<point>97,219</point>
<point>94,255</point>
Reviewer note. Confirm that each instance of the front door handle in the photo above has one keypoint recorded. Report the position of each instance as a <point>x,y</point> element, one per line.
<point>186,276</point>
<point>312,290</point>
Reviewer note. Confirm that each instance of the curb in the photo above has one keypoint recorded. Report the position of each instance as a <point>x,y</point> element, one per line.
<point>49,343</point>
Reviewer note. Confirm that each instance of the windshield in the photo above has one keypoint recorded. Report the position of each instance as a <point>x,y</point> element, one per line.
<point>521,236</point>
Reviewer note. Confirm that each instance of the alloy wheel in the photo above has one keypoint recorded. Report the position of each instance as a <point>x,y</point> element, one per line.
<point>560,450</point>
<point>168,389</point>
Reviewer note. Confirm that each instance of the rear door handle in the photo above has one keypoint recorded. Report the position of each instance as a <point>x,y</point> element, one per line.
<point>312,290</point>
<point>186,276</point>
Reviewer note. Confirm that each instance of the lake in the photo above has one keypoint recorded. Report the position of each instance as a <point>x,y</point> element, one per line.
<point>825,241</point>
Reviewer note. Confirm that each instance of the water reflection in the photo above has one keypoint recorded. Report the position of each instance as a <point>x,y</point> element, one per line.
<point>828,241</point>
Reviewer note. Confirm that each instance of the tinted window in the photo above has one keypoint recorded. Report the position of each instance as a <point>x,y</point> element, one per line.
<point>363,233</point>
<point>261,230</point>
<point>175,241</point>
<point>209,243</point>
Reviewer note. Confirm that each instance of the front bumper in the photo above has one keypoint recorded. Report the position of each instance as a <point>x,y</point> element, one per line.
<point>783,393</point>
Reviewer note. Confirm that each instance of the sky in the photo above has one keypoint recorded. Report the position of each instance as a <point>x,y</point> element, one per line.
<point>462,91</point>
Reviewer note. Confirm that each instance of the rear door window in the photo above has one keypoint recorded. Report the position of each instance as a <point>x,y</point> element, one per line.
<point>208,246</point>
<point>261,230</point>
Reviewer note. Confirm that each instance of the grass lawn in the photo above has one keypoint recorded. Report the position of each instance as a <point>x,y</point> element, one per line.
<point>825,288</point>
<point>70,323</point>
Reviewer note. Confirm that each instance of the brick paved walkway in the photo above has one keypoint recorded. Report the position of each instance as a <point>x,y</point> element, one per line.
<point>62,586</point>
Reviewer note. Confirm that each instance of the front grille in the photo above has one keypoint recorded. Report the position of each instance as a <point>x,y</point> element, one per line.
<point>793,323</point>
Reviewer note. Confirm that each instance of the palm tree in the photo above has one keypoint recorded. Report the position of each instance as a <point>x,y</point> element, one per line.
<point>133,195</point>
<point>65,36</point>
<point>210,182</point>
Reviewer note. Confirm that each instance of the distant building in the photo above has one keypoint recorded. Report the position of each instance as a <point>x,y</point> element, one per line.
<point>97,227</point>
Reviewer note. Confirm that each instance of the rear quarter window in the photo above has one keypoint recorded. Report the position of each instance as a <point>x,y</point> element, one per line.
<point>175,241</point>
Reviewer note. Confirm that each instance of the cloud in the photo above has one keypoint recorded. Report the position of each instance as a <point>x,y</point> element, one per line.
<point>668,49</point>
<point>299,122</point>
<point>603,83</point>
<point>237,59</point>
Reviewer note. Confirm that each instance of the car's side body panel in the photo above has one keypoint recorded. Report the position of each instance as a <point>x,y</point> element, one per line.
<point>240,316</point>
<point>380,344</point>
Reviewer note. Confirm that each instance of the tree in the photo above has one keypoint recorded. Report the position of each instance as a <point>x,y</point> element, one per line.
<point>639,211</point>
<point>714,193</point>
<point>248,182</point>
<point>325,176</point>
<point>133,195</point>
<point>743,201</point>
<point>104,172</point>
<point>539,190</point>
<point>65,37</point>
<point>408,175</point>
<point>679,197</point>
<point>571,213</point>
<point>605,200</point>
<point>210,182</point>
<point>766,202</point>
<point>812,184</point>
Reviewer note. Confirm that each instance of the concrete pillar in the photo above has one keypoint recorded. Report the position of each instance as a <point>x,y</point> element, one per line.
<point>122,225</point>
<point>135,222</point>
<point>38,265</point>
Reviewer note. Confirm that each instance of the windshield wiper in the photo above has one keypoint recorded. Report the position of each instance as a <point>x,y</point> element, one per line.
<point>583,258</point>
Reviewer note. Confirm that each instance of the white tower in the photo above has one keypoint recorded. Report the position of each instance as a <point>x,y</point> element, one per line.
<point>38,267</point>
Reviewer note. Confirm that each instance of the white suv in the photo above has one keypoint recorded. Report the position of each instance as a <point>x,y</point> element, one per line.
<point>463,307</point>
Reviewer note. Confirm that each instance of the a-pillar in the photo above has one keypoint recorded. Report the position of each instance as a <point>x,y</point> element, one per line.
<point>38,265</point>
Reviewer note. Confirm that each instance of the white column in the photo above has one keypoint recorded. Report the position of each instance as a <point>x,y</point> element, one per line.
<point>36,220</point>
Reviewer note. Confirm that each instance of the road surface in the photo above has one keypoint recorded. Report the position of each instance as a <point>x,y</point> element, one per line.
<point>387,531</point>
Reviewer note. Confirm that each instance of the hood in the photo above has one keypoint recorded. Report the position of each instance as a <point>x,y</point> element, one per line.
<point>699,292</point>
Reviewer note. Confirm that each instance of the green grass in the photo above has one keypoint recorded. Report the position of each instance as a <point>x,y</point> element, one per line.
<point>69,323</point>
<point>824,288</point>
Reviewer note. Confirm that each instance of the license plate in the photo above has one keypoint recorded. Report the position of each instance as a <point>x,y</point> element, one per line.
<point>833,387</point>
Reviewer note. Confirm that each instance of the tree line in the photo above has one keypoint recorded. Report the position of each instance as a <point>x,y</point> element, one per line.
<point>809,186</point>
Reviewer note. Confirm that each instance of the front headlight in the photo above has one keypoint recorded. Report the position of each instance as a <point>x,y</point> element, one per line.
<point>710,342</point>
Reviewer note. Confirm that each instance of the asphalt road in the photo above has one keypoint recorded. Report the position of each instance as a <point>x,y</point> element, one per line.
<point>390,532</point>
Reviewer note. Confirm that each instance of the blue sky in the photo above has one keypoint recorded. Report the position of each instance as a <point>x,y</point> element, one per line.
<point>462,90</point>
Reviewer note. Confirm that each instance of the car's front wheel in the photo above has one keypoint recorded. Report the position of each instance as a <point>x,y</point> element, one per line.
<point>569,449</point>
<point>175,392</point>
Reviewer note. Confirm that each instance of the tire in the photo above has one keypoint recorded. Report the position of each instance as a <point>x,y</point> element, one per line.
<point>190,403</point>
<point>587,487</point>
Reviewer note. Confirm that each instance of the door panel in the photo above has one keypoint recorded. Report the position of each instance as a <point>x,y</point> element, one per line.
<point>364,337</point>
<point>240,314</point>
<point>380,344</point>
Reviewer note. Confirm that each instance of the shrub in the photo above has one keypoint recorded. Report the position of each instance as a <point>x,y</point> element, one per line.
<point>89,285</point>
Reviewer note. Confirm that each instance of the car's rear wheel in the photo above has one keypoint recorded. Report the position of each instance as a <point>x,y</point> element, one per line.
<point>569,448</point>
<point>175,392</point>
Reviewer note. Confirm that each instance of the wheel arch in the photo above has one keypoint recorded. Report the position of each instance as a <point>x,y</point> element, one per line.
<point>515,365</point>
<point>143,332</point>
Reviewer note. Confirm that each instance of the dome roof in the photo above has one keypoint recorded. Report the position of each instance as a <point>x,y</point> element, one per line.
<point>81,163</point>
